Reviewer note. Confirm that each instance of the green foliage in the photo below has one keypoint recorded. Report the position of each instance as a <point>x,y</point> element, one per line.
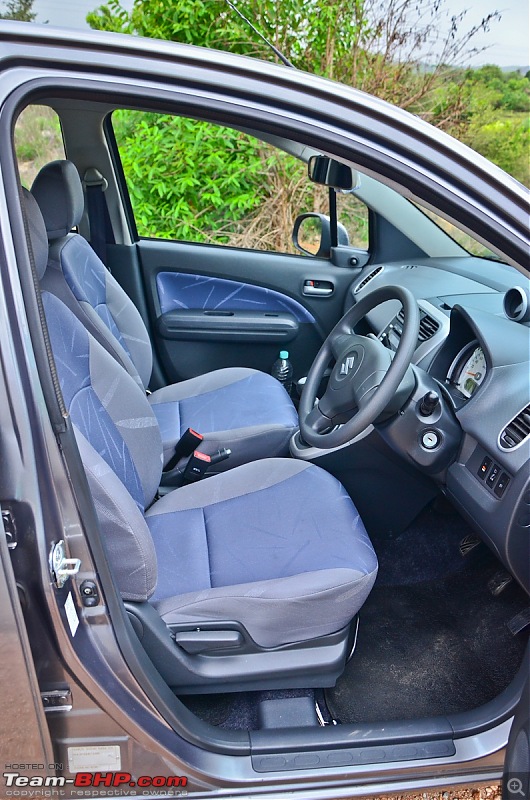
<point>488,110</point>
<point>110,17</point>
<point>21,10</point>
<point>189,179</point>
<point>505,141</point>
<point>512,89</point>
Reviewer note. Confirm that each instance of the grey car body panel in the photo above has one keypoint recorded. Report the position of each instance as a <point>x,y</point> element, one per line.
<point>387,142</point>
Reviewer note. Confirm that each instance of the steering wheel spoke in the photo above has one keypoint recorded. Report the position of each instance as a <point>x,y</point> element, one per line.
<point>318,421</point>
<point>365,377</point>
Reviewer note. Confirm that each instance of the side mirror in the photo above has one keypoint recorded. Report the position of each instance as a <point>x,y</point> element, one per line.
<point>312,235</point>
<point>328,172</point>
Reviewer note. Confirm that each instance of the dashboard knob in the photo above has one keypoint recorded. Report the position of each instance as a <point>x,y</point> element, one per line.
<point>429,404</point>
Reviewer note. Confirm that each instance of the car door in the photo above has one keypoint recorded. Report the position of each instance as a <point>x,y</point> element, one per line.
<point>516,779</point>
<point>223,284</point>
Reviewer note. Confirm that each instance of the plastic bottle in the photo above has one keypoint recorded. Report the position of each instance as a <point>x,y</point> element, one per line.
<point>282,370</point>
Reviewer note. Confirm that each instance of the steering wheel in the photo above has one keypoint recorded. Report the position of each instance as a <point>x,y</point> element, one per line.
<point>366,378</point>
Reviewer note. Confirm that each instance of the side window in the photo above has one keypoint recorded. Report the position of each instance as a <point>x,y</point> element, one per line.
<point>197,181</point>
<point>38,140</point>
<point>353,214</point>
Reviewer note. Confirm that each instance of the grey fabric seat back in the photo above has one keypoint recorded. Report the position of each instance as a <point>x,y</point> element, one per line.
<point>119,442</point>
<point>80,279</point>
<point>116,431</point>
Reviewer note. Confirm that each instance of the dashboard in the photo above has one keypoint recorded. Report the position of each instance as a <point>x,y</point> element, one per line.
<point>473,351</point>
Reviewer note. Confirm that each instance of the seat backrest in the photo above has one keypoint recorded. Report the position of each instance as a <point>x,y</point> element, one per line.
<point>79,278</point>
<point>116,432</point>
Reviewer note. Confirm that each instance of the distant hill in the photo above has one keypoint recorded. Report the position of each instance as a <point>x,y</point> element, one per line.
<point>520,70</point>
<point>422,67</point>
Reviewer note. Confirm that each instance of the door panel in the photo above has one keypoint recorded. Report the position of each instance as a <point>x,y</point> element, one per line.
<point>212,307</point>
<point>184,290</point>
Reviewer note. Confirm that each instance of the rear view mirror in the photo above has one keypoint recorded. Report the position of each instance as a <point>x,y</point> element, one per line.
<point>328,172</point>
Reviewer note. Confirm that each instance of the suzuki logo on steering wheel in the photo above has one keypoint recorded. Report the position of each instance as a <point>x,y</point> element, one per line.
<point>346,365</point>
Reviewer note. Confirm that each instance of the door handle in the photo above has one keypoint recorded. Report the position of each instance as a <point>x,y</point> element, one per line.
<point>314,288</point>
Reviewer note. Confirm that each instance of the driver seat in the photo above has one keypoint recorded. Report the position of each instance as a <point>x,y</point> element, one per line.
<point>248,579</point>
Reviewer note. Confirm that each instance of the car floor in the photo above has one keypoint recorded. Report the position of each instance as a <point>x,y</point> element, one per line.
<point>432,638</point>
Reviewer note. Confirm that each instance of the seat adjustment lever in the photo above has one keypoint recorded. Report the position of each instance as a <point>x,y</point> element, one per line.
<point>199,641</point>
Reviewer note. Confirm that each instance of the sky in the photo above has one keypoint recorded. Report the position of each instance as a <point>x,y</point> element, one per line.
<point>507,41</point>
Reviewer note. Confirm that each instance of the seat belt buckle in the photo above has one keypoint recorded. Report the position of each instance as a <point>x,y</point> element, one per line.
<point>200,463</point>
<point>188,442</point>
<point>197,466</point>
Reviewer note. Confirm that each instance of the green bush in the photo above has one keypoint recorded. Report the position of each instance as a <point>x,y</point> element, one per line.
<point>187,179</point>
<point>505,141</point>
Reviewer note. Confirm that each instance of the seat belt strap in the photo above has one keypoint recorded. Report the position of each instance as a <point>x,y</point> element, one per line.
<point>101,233</point>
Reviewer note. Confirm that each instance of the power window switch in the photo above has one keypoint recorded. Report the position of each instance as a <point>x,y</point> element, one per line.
<point>502,483</point>
<point>484,467</point>
<point>493,475</point>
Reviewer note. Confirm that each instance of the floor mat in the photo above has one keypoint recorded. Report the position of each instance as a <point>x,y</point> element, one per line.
<point>427,550</point>
<point>432,647</point>
<point>236,710</point>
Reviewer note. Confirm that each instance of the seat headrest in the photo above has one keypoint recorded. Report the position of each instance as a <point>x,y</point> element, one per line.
<point>59,193</point>
<point>37,233</point>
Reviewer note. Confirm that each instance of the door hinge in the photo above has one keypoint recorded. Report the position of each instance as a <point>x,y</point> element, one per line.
<point>57,700</point>
<point>61,567</point>
<point>10,528</point>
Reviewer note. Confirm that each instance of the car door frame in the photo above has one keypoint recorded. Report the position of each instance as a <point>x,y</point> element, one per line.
<point>340,777</point>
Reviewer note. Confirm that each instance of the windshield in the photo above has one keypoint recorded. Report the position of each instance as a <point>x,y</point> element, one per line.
<point>466,241</point>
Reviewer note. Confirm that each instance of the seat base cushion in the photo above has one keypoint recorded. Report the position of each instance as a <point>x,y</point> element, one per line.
<point>276,545</point>
<point>243,409</point>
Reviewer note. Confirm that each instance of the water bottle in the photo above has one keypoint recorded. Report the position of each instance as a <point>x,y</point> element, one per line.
<point>282,370</point>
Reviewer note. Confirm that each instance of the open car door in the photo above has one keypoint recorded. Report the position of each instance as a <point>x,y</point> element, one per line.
<point>516,780</point>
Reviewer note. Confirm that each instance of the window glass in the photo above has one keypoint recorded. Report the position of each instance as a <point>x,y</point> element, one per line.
<point>38,140</point>
<point>201,182</point>
<point>353,214</point>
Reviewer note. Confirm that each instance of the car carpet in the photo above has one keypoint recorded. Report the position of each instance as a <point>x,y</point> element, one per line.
<point>239,710</point>
<point>432,639</point>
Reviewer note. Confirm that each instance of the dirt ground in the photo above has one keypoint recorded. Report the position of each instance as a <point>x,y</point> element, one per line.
<point>485,793</point>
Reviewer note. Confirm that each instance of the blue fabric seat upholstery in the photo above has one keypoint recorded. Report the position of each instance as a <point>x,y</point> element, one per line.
<point>240,408</point>
<point>276,545</point>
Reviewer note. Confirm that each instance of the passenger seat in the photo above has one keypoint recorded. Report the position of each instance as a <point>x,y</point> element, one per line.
<point>243,409</point>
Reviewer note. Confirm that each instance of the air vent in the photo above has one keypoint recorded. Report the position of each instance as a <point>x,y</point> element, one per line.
<point>409,266</point>
<point>428,327</point>
<point>517,431</point>
<point>370,277</point>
